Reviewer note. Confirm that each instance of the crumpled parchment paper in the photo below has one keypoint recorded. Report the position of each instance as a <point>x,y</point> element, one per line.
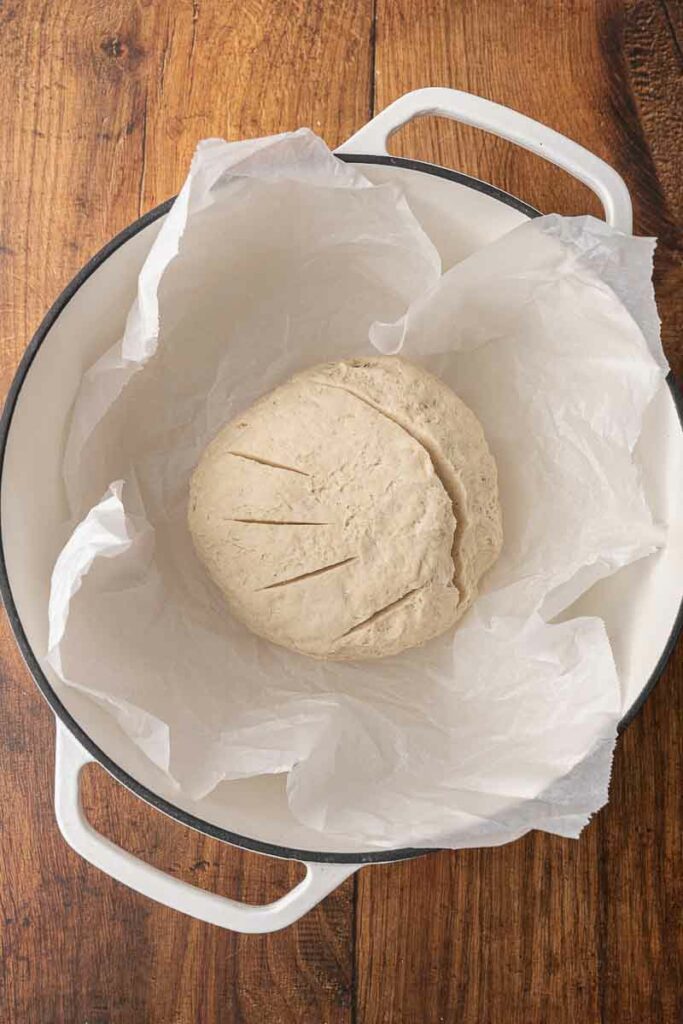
<point>277,256</point>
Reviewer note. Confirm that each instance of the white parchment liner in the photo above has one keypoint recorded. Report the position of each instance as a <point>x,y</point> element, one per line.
<point>277,256</point>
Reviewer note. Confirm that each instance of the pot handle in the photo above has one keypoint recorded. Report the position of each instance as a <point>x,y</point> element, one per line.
<point>320,879</point>
<point>508,124</point>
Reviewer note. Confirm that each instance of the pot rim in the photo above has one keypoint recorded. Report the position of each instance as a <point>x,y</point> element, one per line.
<point>146,794</point>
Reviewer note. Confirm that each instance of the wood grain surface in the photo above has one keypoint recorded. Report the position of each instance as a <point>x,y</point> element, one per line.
<point>102,104</point>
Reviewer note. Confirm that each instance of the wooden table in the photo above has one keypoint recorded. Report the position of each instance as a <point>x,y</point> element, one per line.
<point>102,104</point>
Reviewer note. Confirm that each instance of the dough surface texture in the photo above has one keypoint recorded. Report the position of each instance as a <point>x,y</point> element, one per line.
<point>351,512</point>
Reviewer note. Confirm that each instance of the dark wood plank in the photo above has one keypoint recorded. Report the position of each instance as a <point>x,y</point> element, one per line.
<point>546,930</point>
<point>103,104</point>
<point>651,62</point>
<point>640,843</point>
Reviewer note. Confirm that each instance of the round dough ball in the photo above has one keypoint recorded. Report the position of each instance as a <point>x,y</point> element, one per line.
<point>351,512</point>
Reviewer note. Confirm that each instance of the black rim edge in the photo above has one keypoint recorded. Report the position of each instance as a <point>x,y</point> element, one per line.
<point>677,628</point>
<point>43,684</point>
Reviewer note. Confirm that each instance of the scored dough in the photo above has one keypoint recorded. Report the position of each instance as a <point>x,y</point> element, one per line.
<point>351,512</point>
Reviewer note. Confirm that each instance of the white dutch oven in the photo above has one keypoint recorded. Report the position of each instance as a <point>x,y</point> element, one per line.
<point>641,604</point>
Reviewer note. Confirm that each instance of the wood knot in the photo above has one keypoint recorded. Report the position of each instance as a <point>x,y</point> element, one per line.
<point>112,47</point>
<point>123,51</point>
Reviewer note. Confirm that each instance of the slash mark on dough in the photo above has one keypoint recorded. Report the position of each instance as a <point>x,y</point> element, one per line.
<point>308,575</point>
<point>381,612</point>
<point>267,462</point>
<point>277,522</point>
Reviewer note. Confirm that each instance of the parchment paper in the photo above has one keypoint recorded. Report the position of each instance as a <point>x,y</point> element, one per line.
<point>277,256</point>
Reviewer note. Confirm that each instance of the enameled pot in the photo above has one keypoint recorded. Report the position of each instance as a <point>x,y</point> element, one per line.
<point>641,604</point>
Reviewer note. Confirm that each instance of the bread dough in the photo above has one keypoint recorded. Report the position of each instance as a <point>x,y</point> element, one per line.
<point>351,512</point>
